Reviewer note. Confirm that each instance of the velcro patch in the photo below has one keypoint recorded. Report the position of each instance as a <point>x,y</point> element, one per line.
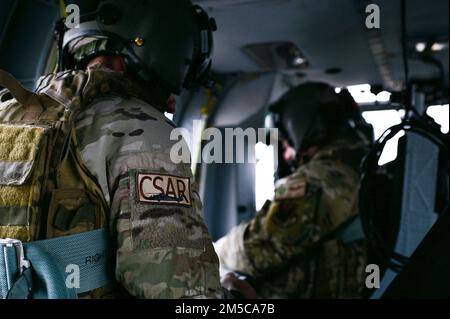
<point>163,189</point>
<point>290,191</point>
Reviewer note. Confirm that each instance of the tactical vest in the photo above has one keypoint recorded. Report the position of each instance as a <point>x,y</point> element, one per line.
<point>45,189</point>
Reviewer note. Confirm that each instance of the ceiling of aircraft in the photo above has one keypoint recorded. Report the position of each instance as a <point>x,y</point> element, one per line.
<point>329,36</point>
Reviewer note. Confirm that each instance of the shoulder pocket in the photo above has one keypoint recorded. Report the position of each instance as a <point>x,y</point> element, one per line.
<point>19,148</point>
<point>22,164</point>
<point>73,211</point>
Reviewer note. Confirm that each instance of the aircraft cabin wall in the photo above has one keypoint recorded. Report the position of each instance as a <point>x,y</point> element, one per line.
<point>26,27</point>
<point>228,190</point>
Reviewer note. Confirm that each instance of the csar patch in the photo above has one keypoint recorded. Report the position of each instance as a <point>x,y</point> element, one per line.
<point>163,189</point>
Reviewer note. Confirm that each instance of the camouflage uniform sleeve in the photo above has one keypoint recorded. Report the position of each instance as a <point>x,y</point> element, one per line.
<point>163,246</point>
<point>287,227</point>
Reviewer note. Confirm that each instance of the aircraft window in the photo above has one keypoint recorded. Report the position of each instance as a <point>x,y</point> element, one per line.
<point>169,116</point>
<point>440,114</point>
<point>362,94</point>
<point>264,175</point>
<point>381,121</point>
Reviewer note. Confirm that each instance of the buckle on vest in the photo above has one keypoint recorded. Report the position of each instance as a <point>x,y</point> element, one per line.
<point>20,252</point>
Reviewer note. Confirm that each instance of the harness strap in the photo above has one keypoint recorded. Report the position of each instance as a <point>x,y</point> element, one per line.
<point>349,231</point>
<point>22,95</point>
<point>64,266</point>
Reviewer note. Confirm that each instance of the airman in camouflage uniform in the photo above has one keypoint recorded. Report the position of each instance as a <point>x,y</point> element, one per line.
<point>163,250</point>
<point>283,246</point>
<point>112,93</point>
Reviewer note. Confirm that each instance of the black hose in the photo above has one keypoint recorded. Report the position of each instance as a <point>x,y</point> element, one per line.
<point>404,37</point>
<point>404,44</point>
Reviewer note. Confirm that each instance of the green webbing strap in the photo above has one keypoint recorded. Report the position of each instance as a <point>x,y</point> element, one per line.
<point>63,266</point>
<point>22,95</point>
<point>354,232</point>
<point>348,232</point>
<point>9,267</point>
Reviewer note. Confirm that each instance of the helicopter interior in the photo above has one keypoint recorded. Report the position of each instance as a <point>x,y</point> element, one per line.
<point>262,48</point>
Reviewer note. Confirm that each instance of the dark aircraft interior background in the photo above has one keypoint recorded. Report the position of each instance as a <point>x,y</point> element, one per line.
<point>263,48</point>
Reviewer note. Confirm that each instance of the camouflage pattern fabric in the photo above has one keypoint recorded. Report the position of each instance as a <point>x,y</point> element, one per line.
<point>279,246</point>
<point>34,147</point>
<point>163,246</point>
